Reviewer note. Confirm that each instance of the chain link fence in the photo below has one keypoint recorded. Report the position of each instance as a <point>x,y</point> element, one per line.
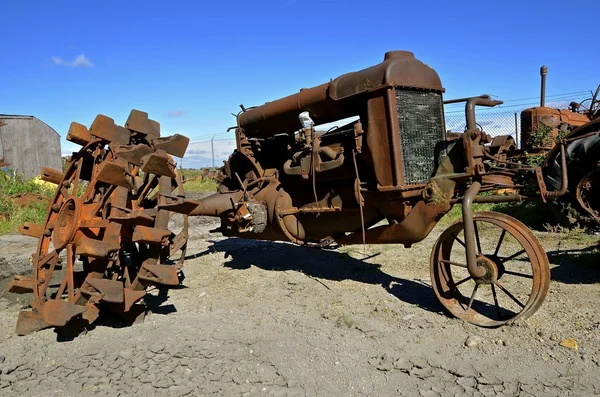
<point>493,123</point>
<point>212,153</point>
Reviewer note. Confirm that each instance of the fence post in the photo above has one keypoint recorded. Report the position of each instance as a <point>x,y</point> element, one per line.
<point>212,149</point>
<point>516,131</point>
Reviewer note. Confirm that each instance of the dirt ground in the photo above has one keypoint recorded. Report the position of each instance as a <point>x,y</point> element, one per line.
<point>261,318</point>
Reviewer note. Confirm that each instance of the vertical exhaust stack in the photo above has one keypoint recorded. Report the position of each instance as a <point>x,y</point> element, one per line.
<point>543,73</point>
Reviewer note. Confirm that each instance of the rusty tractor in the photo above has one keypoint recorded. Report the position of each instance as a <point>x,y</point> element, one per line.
<point>385,177</point>
<point>578,126</point>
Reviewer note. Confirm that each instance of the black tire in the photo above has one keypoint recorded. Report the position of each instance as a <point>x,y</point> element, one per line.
<point>582,156</point>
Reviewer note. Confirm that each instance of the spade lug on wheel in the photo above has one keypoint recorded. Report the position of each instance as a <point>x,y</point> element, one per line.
<point>105,128</point>
<point>51,175</point>
<point>132,154</point>
<point>138,121</point>
<point>145,234</point>
<point>158,163</point>
<point>175,145</point>
<point>115,174</point>
<point>31,230</point>
<point>111,290</point>
<point>58,313</point>
<point>79,134</point>
<point>21,285</point>
<point>29,322</point>
<point>161,274</point>
<point>132,296</point>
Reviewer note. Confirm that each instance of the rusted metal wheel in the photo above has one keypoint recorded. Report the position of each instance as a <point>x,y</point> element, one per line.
<point>106,236</point>
<point>517,271</point>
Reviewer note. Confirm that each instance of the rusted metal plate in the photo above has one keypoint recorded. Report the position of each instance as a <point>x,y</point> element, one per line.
<point>111,290</point>
<point>145,234</point>
<point>29,322</point>
<point>132,153</point>
<point>132,296</point>
<point>138,121</point>
<point>21,285</point>
<point>79,134</point>
<point>162,274</point>
<point>58,313</point>
<point>158,163</point>
<point>51,175</point>
<point>105,128</point>
<point>114,174</point>
<point>96,248</point>
<point>175,145</point>
<point>31,230</point>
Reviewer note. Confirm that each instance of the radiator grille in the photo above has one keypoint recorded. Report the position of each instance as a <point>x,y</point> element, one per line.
<point>422,133</point>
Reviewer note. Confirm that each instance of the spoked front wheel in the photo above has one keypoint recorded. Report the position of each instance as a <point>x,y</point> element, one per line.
<point>517,271</point>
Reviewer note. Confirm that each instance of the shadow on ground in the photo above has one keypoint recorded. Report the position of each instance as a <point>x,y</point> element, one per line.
<point>576,266</point>
<point>321,264</point>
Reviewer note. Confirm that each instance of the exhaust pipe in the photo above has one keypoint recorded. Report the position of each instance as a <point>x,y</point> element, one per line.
<point>543,73</point>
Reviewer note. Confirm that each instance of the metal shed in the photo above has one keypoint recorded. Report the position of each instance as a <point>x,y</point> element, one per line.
<point>28,144</point>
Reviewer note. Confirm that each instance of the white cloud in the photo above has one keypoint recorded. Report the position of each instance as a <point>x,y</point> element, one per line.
<point>81,61</point>
<point>176,113</point>
<point>199,153</point>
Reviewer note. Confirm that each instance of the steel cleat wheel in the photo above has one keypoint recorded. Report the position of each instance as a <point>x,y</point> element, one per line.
<point>517,273</point>
<point>106,237</point>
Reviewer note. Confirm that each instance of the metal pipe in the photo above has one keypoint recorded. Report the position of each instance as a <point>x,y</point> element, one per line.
<point>457,100</point>
<point>483,100</point>
<point>216,204</point>
<point>543,73</point>
<point>470,245</point>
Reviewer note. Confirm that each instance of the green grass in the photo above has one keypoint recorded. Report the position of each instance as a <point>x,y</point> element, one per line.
<point>34,212</point>
<point>533,213</point>
<point>199,185</point>
<point>205,185</point>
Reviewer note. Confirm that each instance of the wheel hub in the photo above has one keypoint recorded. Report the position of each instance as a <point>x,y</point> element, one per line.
<point>491,271</point>
<point>67,223</point>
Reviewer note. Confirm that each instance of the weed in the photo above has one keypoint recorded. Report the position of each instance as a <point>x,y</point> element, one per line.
<point>540,135</point>
<point>347,320</point>
<point>34,212</point>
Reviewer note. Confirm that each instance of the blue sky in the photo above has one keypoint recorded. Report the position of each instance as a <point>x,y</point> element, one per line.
<point>189,64</point>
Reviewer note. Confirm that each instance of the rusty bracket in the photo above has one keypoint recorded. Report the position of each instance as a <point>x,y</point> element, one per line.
<point>541,184</point>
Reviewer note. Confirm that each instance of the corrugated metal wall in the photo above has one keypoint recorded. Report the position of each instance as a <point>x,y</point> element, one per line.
<point>27,144</point>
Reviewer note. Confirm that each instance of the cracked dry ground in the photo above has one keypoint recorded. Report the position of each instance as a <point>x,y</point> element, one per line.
<point>260,318</point>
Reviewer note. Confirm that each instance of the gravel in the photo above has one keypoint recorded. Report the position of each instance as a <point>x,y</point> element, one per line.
<point>261,318</point>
